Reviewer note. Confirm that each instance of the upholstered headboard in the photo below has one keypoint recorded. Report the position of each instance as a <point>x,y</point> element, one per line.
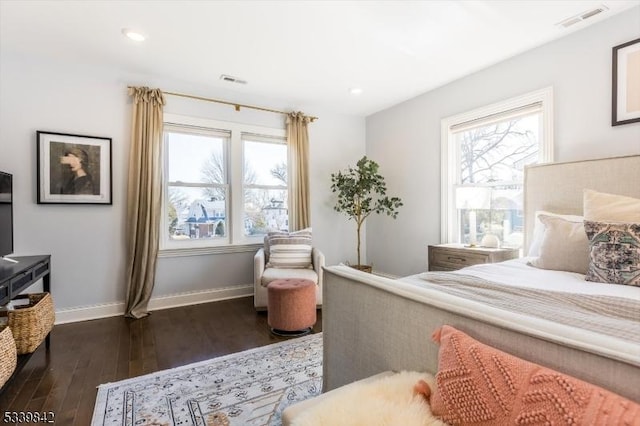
<point>557,187</point>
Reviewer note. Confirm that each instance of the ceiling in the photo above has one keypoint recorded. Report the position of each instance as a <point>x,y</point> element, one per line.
<point>301,53</point>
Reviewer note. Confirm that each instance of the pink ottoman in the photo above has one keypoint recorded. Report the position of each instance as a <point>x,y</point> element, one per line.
<point>291,306</point>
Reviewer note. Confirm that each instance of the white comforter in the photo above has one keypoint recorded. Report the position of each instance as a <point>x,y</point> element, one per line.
<point>517,273</point>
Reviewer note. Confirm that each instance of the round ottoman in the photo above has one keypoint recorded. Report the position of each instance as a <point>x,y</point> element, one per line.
<point>291,306</point>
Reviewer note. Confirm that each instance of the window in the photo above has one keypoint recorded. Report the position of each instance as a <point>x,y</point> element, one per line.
<point>225,184</point>
<point>265,185</point>
<point>197,188</point>
<point>484,155</point>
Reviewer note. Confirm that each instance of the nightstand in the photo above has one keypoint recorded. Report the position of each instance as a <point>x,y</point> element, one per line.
<point>449,257</point>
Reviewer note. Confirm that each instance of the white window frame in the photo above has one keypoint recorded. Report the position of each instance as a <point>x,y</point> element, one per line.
<point>236,240</point>
<point>262,138</point>
<point>450,153</point>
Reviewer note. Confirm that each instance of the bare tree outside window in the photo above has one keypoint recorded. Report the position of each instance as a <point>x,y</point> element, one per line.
<point>496,154</point>
<point>213,172</point>
<point>280,172</point>
<point>264,206</point>
<point>266,197</point>
<point>177,201</point>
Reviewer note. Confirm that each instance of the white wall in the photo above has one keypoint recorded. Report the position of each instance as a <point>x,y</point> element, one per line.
<point>405,139</point>
<point>87,242</point>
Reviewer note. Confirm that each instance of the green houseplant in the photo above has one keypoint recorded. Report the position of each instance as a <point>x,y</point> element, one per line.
<point>362,191</point>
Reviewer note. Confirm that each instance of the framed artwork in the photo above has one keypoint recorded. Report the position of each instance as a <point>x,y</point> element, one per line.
<point>73,169</point>
<point>626,83</point>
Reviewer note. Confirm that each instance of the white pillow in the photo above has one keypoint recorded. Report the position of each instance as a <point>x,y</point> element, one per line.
<point>564,247</point>
<point>538,229</point>
<point>603,207</point>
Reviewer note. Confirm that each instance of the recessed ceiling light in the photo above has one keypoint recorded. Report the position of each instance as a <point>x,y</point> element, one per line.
<point>355,91</point>
<point>133,35</point>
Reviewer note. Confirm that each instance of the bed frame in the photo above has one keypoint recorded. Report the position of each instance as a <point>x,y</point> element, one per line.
<point>557,187</point>
<point>373,324</point>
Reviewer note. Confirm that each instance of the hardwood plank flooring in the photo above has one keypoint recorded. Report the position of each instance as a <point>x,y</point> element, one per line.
<point>86,354</point>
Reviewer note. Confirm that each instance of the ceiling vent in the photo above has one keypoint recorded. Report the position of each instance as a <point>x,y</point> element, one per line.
<point>582,16</point>
<point>231,79</point>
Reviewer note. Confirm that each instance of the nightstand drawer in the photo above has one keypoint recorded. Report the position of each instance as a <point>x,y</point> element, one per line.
<point>449,257</point>
<point>456,260</point>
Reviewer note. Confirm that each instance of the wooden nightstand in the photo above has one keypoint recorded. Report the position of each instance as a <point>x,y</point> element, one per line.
<point>449,257</point>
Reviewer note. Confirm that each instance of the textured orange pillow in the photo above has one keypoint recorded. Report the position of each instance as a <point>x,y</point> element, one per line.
<point>480,385</point>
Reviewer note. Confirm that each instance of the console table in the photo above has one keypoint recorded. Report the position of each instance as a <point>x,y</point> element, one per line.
<point>17,277</point>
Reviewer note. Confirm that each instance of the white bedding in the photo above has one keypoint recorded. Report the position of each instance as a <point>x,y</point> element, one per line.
<point>517,273</point>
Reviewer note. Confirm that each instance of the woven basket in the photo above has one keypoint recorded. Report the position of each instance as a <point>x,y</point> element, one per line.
<point>31,325</point>
<point>8,355</point>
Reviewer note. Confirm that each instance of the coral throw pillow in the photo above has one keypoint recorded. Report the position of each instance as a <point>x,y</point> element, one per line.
<point>480,385</point>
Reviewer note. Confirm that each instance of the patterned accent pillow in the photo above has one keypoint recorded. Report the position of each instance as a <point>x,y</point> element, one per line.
<point>289,249</point>
<point>480,385</point>
<point>614,251</point>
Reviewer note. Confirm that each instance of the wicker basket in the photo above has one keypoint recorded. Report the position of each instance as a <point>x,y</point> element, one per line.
<point>30,325</point>
<point>8,355</point>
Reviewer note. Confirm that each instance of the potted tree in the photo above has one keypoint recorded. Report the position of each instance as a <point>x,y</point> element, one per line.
<point>362,191</point>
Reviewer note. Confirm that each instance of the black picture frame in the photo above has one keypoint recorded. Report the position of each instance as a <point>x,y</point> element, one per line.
<point>625,92</point>
<point>73,169</point>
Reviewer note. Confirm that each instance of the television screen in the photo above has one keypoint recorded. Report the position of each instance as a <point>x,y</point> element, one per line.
<point>6,214</point>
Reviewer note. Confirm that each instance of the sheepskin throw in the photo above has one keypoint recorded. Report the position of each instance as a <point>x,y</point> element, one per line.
<point>386,401</point>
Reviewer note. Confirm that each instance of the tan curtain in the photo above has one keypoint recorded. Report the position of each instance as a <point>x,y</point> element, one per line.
<point>298,142</point>
<point>144,198</point>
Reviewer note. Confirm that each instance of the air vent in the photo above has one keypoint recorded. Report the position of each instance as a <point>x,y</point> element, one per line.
<point>582,16</point>
<point>232,79</point>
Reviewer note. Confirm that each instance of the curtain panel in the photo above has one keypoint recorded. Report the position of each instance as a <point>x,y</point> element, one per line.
<point>299,198</point>
<point>144,198</point>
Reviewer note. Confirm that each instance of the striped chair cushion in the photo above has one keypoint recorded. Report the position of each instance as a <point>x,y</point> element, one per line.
<point>289,250</point>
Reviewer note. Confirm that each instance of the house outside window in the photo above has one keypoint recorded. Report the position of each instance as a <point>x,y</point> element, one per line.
<point>224,185</point>
<point>265,185</point>
<point>485,152</point>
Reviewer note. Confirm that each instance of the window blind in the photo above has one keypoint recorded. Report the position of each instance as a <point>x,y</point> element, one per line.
<point>520,111</point>
<point>195,130</point>
<point>253,137</point>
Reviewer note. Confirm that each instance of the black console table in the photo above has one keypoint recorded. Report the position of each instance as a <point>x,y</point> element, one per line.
<point>17,277</point>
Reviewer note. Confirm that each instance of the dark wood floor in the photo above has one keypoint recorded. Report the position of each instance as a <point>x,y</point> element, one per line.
<point>86,354</point>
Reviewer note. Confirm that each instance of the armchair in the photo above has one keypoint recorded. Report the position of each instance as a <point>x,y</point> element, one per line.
<point>263,275</point>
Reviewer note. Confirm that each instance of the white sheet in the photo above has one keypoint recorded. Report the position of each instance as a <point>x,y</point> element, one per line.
<point>517,273</point>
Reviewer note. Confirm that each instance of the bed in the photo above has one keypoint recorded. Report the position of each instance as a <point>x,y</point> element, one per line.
<point>373,324</point>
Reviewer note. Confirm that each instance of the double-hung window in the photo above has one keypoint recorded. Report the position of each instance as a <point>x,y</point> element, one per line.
<point>197,189</point>
<point>484,153</point>
<point>225,184</point>
<point>265,185</point>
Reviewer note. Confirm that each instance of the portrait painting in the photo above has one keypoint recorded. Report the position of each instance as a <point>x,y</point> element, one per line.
<point>73,169</point>
<point>626,83</point>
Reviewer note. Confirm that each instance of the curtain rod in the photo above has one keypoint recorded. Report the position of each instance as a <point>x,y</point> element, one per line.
<point>237,106</point>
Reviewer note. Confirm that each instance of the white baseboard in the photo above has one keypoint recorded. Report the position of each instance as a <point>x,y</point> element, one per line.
<point>85,313</point>
<point>196,297</point>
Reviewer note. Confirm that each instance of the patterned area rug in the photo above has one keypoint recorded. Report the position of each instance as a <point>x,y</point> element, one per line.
<point>247,388</point>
